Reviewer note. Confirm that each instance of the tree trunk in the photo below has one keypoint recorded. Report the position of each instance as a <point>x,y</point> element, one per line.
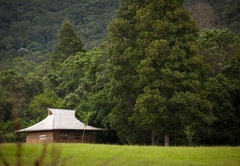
<point>154,140</point>
<point>83,135</point>
<point>166,139</point>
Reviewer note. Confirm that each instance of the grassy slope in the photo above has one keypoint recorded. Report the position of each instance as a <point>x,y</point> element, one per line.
<point>99,155</point>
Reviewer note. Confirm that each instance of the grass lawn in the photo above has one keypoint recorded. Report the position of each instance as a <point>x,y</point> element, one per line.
<point>116,155</point>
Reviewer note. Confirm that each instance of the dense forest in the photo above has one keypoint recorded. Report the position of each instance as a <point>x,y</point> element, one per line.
<point>153,72</point>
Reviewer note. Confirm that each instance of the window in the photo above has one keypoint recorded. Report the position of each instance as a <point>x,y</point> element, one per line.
<point>64,136</point>
<point>77,136</point>
<point>42,136</point>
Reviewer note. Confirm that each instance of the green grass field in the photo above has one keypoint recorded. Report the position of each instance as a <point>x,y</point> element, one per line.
<point>116,155</point>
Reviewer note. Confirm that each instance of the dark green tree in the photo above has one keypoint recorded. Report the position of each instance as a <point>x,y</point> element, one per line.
<point>218,48</point>
<point>124,56</point>
<point>222,130</point>
<point>80,76</point>
<point>62,78</point>
<point>16,92</point>
<point>228,11</point>
<point>171,73</point>
<point>157,71</point>
<point>91,74</point>
<point>69,43</point>
<point>233,75</point>
<point>224,96</point>
<point>98,75</point>
<point>39,104</point>
<point>221,51</point>
<point>69,76</point>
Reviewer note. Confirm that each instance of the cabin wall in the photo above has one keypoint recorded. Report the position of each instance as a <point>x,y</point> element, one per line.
<point>73,136</point>
<point>67,136</point>
<point>40,137</point>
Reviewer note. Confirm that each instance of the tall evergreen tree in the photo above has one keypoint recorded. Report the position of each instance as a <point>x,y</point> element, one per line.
<point>158,72</point>
<point>68,44</point>
<point>124,57</point>
<point>171,72</point>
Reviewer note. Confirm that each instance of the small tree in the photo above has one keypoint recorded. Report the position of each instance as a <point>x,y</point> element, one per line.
<point>85,117</point>
<point>189,133</point>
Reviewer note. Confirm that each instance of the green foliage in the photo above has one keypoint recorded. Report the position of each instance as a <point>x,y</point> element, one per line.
<point>96,80</point>
<point>218,48</point>
<point>216,14</point>
<point>85,118</point>
<point>17,92</point>
<point>228,11</point>
<point>153,45</point>
<point>39,103</point>
<point>66,67</point>
<point>91,77</point>
<point>68,44</point>
<point>124,57</point>
<point>189,133</point>
<point>10,137</point>
<point>34,25</point>
<point>7,128</point>
<point>68,77</point>
<point>7,134</point>
<point>221,51</point>
<point>6,104</point>
<point>223,110</point>
<point>23,67</point>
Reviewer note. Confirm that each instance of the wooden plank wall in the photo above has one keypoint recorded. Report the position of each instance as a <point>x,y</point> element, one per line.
<point>40,137</point>
<point>73,136</point>
<point>67,136</point>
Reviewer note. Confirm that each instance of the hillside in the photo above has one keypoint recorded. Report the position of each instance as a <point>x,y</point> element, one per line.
<point>218,13</point>
<point>34,25</point>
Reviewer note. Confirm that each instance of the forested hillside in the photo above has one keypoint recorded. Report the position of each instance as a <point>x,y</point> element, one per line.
<point>154,72</point>
<point>34,25</point>
<point>216,13</point>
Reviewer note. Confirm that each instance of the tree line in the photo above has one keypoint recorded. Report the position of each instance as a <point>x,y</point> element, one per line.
<point>157,78</point>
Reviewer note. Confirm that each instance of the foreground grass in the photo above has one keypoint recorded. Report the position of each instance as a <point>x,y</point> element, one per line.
<point>114,155</point>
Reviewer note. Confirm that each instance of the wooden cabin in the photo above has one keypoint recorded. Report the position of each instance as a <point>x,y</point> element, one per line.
<point>60,125</point>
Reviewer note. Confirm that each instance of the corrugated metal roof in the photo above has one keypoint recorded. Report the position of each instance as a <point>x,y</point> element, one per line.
<point>59,119</point>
